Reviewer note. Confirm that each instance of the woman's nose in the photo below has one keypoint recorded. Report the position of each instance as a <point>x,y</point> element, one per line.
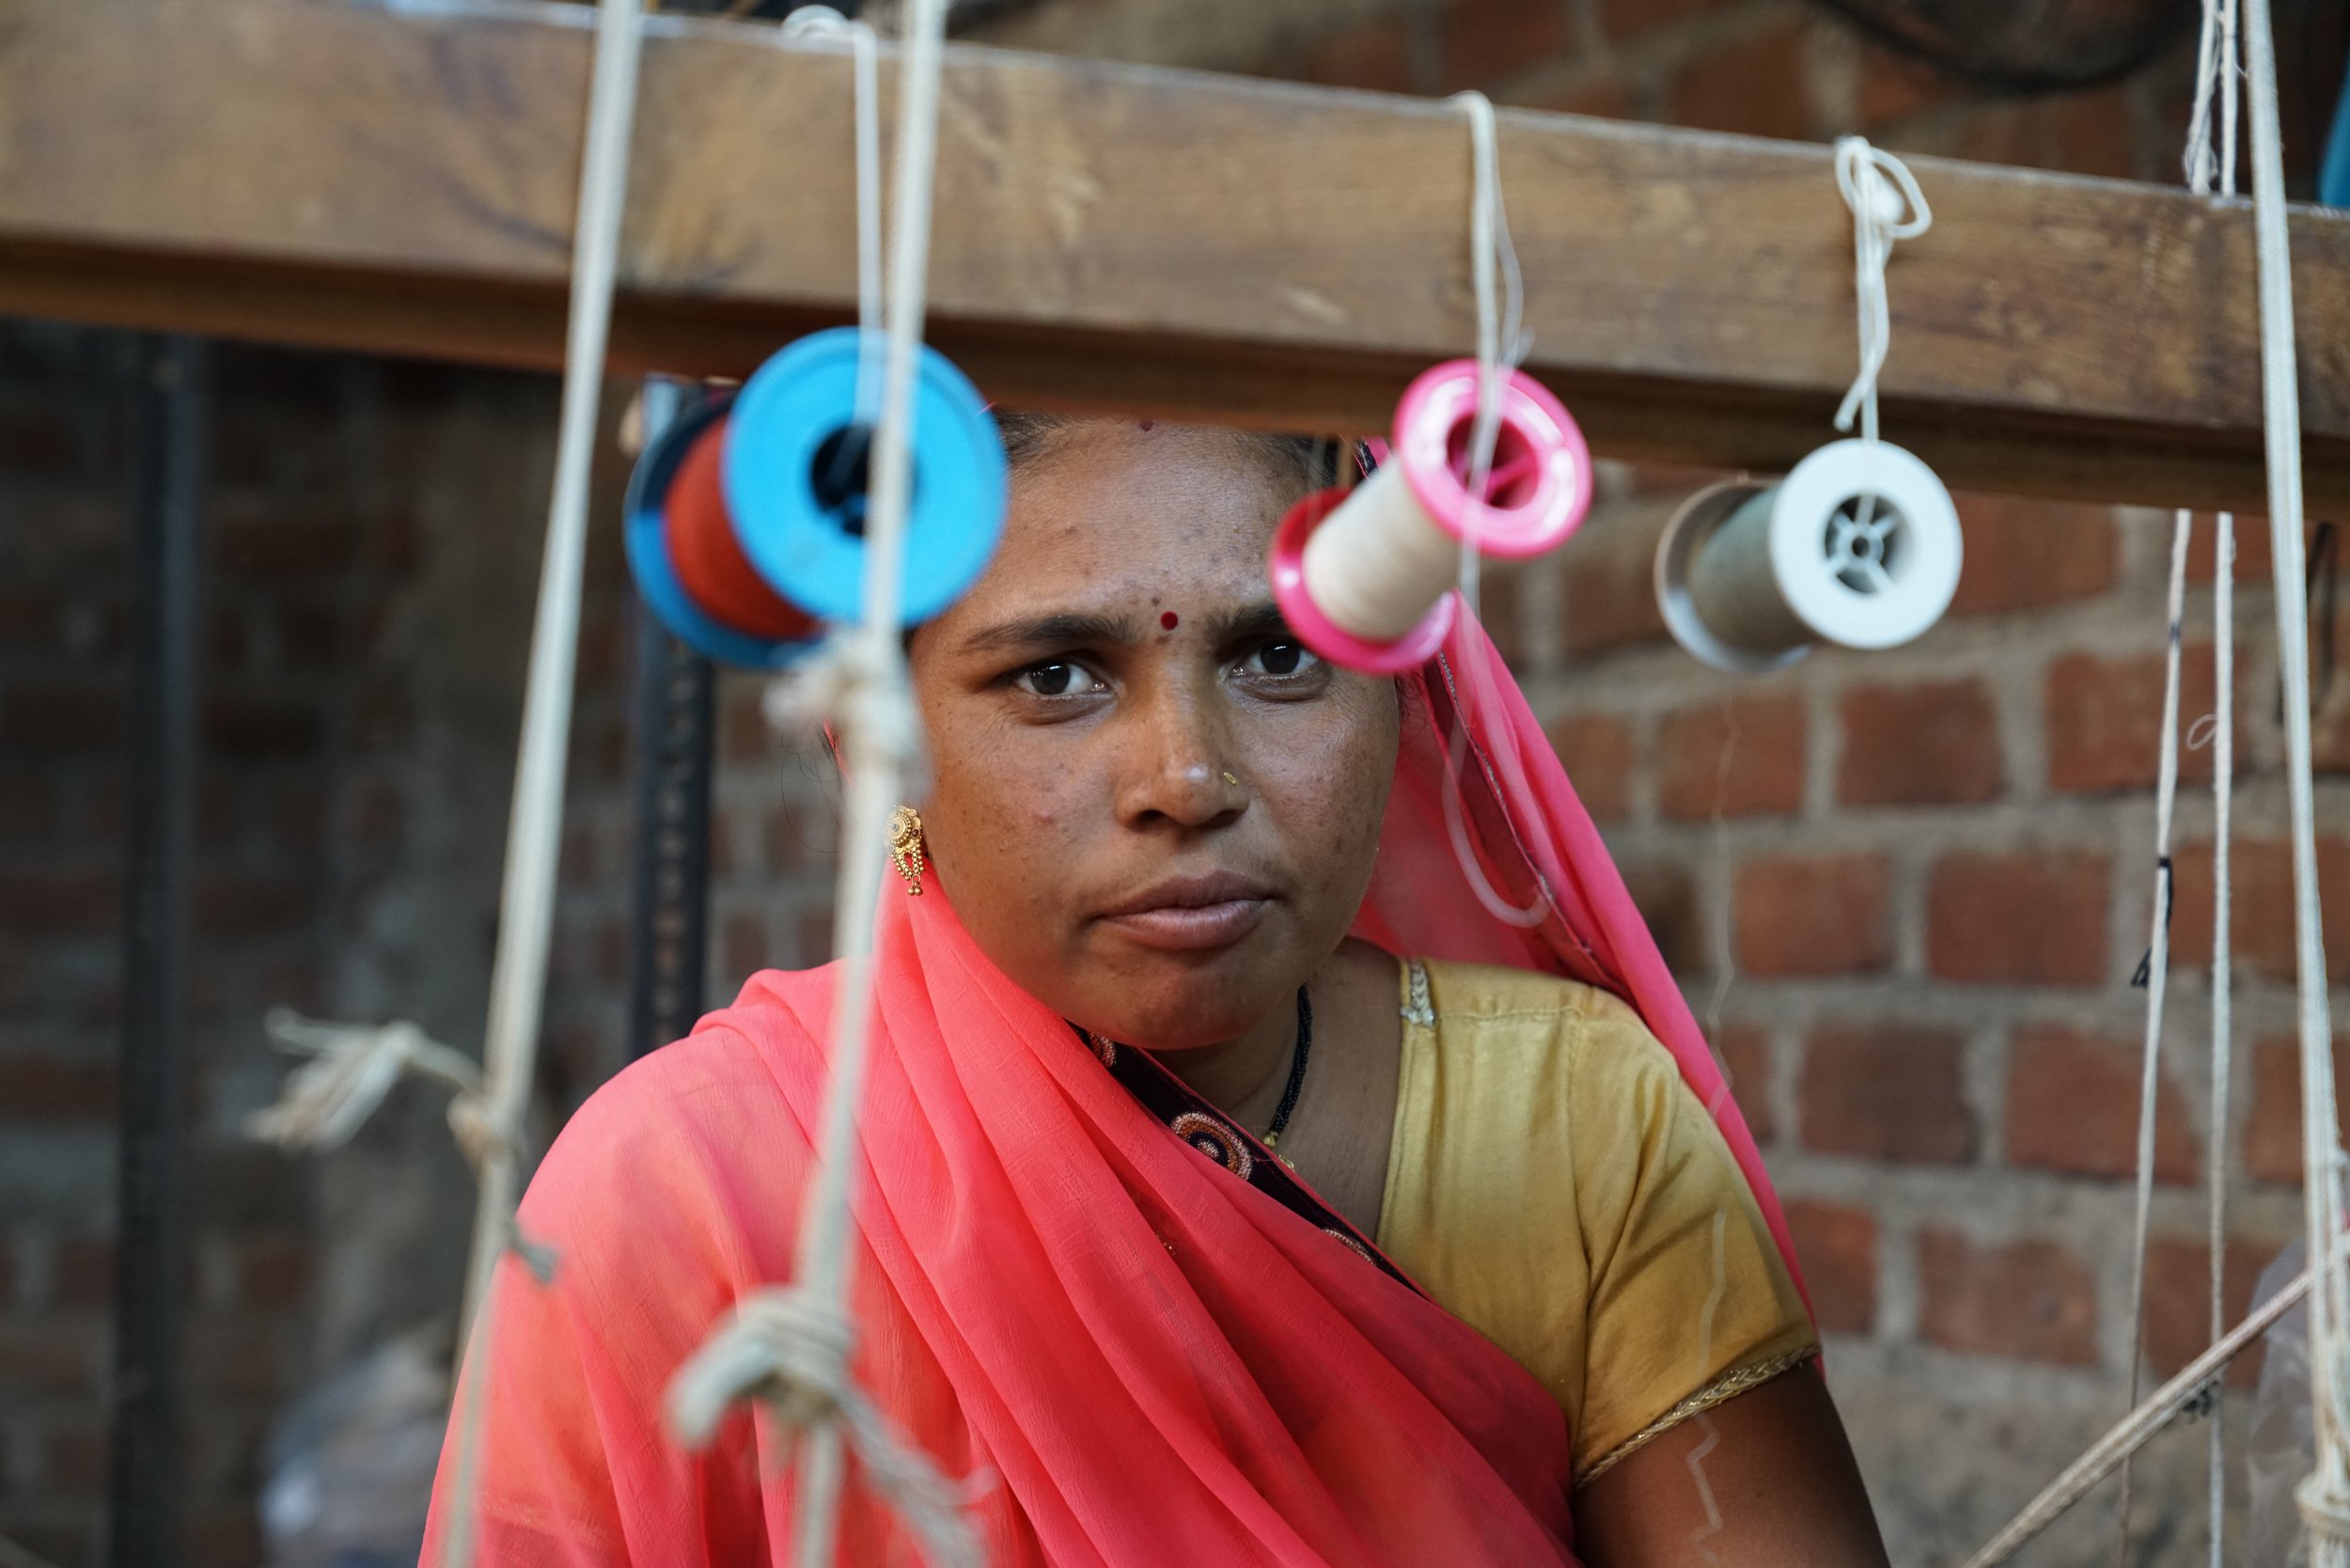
<point>1178,769</point>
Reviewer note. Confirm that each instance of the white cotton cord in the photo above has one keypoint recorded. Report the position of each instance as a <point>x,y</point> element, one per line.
<point>2325,1496</point>
<point>351,1070</point>
<point>1881,213</point>
<point>791,1347</point>
<point>2222,983</point>
<point>1502,343</point>
<point>518,975</point>
<point>2157,984</point>
<point>2152,1414</point>
<point>823,25</point>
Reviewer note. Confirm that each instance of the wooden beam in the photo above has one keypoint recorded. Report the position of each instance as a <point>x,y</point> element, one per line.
<point>401,180</point>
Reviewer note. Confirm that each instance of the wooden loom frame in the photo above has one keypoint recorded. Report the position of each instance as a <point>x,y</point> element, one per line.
<point>402,181</point>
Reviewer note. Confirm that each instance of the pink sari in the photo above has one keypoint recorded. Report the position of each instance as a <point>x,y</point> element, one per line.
<point>1145,1358</point>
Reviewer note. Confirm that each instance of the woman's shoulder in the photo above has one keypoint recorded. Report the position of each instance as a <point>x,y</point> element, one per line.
<point>713,1110</point>
<point>1529,1014</point>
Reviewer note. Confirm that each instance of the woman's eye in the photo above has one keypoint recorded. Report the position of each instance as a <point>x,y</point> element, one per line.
<point>1057,678</point>
<point>1279,658</point>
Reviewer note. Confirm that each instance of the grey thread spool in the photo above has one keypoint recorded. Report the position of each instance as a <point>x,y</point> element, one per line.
<point>1859,546</point>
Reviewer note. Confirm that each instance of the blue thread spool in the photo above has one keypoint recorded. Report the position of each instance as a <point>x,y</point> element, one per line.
<point>794,473</point>
<point>665,499</point>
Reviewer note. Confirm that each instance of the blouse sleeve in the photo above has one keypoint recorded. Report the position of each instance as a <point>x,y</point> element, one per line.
<point>1690,1302</point>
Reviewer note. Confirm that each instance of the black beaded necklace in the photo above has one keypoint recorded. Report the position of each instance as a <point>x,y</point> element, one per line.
<point>1297,1069</point>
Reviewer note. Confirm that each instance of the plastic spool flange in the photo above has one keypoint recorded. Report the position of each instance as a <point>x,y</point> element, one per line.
<point>645,531</point>
<point>1539,488</point>
<point>806,533</point>
<point>1749,575</point>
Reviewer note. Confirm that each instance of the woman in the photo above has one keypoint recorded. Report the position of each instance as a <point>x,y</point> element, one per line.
<point>1508,1293</point>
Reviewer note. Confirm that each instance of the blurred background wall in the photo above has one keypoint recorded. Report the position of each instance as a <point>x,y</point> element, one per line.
<point>1908,891</point>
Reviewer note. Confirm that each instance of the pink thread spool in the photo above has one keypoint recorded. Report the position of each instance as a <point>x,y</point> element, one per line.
<point>1367,579</point>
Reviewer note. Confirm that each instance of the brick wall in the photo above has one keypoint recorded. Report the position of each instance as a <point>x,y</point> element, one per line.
<point>1906,891</point>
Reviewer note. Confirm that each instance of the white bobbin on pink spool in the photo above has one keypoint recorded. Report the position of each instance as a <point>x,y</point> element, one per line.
<point>1367,579</point>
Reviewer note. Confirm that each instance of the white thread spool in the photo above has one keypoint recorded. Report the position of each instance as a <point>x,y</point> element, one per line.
<point>1859,546</point>
<point>1365,578</point>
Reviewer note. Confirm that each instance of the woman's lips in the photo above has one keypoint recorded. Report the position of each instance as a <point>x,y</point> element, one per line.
<point>1179,928</point>
<point>1187,913</point>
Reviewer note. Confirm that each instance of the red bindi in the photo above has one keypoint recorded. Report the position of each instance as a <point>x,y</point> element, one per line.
<point>1167,620</point>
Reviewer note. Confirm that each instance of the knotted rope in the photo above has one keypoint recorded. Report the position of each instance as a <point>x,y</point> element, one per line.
<point>790,1348</point>
<point>1882,213</point>
<point>351,1070</point>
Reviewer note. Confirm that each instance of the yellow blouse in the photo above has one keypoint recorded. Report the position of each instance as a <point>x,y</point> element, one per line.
<point>1554,1184</point>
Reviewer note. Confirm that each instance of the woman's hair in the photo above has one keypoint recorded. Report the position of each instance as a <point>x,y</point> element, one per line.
<point>1312,458</point>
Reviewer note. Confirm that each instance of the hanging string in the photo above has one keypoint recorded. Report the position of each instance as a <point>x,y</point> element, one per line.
<point>2325,1496</point>
<point>2152,1414</point>
<point>2216,74</point>
<point>352,1067</point>
<point>1881,215</point>
<point>518,974</point>
<point>823,25</point>
<point>791,1346</point>
<point>1501,346</point>
<point>2158,986</point>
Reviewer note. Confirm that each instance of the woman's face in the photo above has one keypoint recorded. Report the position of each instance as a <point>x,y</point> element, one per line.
<point>1152,807</point>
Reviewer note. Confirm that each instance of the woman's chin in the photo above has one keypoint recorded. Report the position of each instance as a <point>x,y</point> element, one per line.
<point>1190,1009</point>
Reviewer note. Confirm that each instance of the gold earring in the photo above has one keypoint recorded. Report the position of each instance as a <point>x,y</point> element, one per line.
<point>905,847</point>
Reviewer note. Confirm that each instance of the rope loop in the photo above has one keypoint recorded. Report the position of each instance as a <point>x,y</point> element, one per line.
<point>1882,213</point>
<point>352,1068</point>
<point>855,688</point>
<point>789,1348</point>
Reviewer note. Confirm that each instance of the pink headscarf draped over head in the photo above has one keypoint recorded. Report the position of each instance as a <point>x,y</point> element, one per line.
<point>1147,1358</point>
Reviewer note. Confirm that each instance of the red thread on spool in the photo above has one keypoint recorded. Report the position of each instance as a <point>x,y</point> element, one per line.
<point>709,559</point>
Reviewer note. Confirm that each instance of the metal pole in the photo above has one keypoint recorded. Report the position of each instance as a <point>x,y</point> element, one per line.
<point>170,435</point>
<point>670,902</point>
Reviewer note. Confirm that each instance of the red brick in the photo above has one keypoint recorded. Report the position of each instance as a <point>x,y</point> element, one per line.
<point>2259,878</point>
<point>1597,751</point>
<point>259,729</point>
<point>1666,897</point>
<point>50,903</point>
<point>274,1268</point>
<point>55,1088</point>
<point>744,945</point>
<point>1746,1060</point>
<point>2329,716</point>
<point>2071,1105</point>
<point>2090,133</point>
<point>236,1354</point>
<point>222,1537</point>
<point>1484,41</point>
<point>2272,1126</point>
<point>74,719</point>
<point>1894,86</point>
<point>1837,1246</point>
<point>1375,54</point>
<point>1888,1091</point>
<point>2105,718</point>
<point>260,546</point>
<point>1624,17</point>
<point>1923,745</point>
<point>1610,579</point>
<point>2023,1301</point>
<point>2022,553</point>
<point>1826,915</point>
<point>235,903</point>
<point>49,1355</point>
<point>1755,87</point>
<point>2178,1300</point>
<point>74,1456</point>
<point>82,1271</point>
<point>2027,918</point>
<point>1765,770</point>
<point>2253,556</point>
<point>743,733</point>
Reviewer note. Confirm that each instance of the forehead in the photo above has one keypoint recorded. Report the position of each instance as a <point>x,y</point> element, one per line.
<point>1111,513</point>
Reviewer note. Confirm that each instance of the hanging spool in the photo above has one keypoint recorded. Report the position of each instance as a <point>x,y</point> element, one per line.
<point>1859,546</point>
<point>1366,577</point>
<point>687,559</point>
<point>794,477</point>
<point>746,516</point>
